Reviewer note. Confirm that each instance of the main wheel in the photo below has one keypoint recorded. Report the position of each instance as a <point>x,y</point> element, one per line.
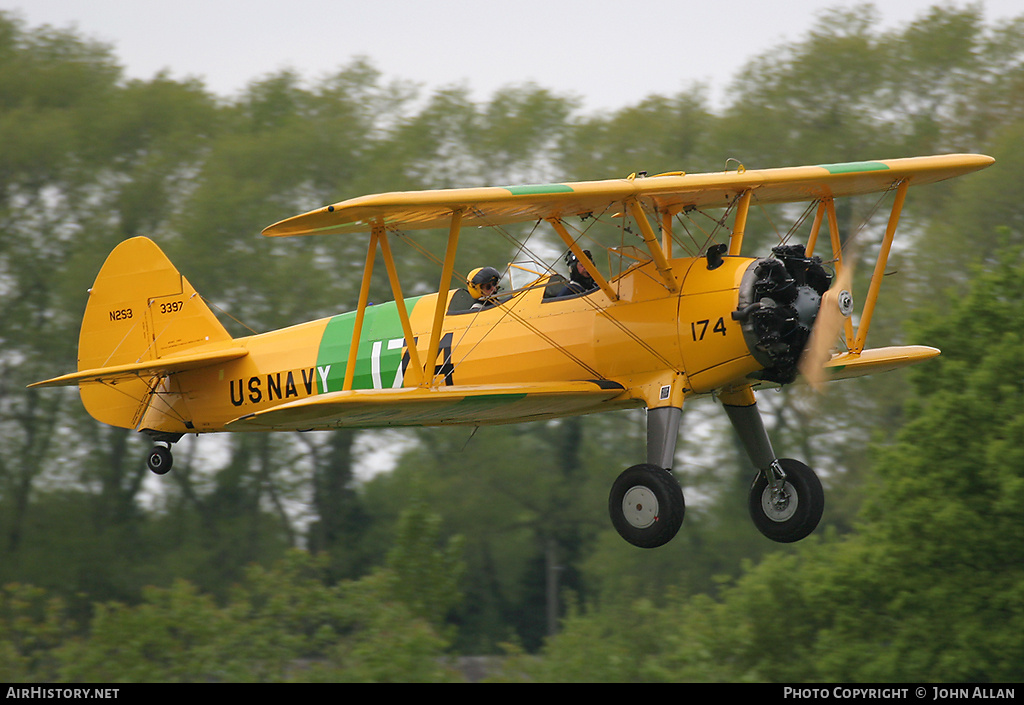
<point>792,513</point>
<point>646,505</point>
<point>160,460</point>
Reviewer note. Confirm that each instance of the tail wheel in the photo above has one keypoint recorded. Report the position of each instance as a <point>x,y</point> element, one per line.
<point>791,512</point>
<point>160,460</point>
<point>646,505</point>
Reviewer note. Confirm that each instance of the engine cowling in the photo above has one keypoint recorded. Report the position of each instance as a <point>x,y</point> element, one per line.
<point>779,299</point>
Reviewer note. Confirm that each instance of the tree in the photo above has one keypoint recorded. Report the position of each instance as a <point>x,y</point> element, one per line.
<point>951,491</point>
<point>657,135</point>
<point>86,160</point>
<point>814,98</point>
<point>282,623</point>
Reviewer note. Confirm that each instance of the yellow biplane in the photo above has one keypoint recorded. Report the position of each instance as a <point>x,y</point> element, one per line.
<point>153,357</point>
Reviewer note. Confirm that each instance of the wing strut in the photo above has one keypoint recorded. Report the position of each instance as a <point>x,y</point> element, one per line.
<point>666,234</point>
<point>876,276</point>
<point>740,224</point>
<point>827,211</point>
<point>837,249</point>
<point>379,236</point>
<point>578,251</point>
<point>664,268</point>
<point>403,313</point>
<point>442,298</point>
<point>812,238</point>
<point>364,296</point>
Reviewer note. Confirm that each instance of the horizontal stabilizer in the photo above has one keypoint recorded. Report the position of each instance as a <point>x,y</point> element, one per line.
<point>847,365</point>
<point>148,368</point>
<point>415,406</point>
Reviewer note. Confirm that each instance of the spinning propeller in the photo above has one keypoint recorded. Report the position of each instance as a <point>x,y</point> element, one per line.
<point>836,307</point>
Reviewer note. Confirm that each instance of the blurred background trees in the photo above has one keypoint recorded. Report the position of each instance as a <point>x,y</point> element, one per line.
<point>290,557</point>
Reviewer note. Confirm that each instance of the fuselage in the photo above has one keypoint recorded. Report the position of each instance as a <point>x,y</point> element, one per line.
<point>648,339</point>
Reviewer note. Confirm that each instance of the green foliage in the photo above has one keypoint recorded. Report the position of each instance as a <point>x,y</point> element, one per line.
<point>425,576</point>
<point>33,625</point>
<point>953,487</point>
<point>280,624</point>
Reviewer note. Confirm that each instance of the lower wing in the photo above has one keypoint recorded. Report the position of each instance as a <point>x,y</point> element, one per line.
<point>874,360</point>
<point>414,406</point>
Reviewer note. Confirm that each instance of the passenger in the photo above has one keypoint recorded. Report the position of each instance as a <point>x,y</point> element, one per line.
<point>482,284</point>
<point>580,281</point>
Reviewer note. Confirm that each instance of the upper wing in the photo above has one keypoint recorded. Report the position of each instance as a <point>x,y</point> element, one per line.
<point>414,406</point>
<point>498,205</point>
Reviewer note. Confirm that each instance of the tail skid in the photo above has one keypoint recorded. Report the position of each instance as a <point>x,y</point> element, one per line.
<point>144,321</point>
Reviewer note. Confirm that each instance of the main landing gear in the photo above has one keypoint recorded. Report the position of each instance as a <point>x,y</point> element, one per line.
<point>786,501</point>
<point>646,502</point>
<point>646,505</point>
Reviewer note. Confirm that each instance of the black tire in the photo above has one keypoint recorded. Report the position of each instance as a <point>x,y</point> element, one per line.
<point>646,505</point>
<point>160,460</point>
<point>798,512</point>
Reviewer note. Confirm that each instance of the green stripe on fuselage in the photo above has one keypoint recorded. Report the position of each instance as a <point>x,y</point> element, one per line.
<point>381,347</point>
<point>854,167</point>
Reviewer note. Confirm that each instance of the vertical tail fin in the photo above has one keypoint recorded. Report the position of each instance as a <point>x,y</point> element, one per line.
<point>140,309</point>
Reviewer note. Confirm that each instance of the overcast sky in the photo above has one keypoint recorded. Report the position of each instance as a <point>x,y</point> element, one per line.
<point>610,53</point>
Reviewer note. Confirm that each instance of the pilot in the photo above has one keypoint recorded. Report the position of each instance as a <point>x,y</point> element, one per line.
<point>482,284</point>
<point>580,281</point>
